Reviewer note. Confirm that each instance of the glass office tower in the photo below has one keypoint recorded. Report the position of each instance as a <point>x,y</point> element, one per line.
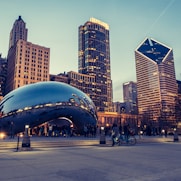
<point>94,60</point>
<point>156,82</point>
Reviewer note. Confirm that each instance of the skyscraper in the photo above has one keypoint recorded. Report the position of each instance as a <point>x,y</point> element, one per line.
<point>178,106</point>
<point>27,62</point>
<point>156,81</point>
<point>94,60</point>
<point>130,97</point>
<point>3,74</point>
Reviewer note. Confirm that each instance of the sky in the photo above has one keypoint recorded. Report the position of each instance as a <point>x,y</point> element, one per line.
<point>54,24</point>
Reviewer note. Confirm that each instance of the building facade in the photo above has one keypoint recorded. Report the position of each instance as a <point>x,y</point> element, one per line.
<point>3,74</point>
<point>62,77</point>
<point>85,83</point>
<point>107,119</point>
<point>27,63</point>
<point>156,82</point>
<point>179,86</point>
<point>130,97</point>
<point>178,106</point>
<point>94,60</point>
<point>119,107</point>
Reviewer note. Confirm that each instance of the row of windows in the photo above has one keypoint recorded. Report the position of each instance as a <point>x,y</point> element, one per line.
<point>33,70</point>
<point>33,77</point>
<point>82,77</point>
<point>34,50</point>
<point>33,65</point>
<point>39,65</point>
<point>34,59</point>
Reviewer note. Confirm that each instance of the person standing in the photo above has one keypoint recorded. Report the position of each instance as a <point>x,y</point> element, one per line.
<point>85,131</point>
<point>12,129</point>
<point>126,131</point>
<point>115,133</point>
<point>50,130</point>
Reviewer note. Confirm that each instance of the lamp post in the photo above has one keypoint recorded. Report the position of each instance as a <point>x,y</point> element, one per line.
<point>26,138</point>
<point>102,136</point>
<point>175,136</point>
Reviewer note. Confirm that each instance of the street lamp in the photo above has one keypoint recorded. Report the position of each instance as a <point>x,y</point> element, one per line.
<point>102,136</point>
<point>26,138</point>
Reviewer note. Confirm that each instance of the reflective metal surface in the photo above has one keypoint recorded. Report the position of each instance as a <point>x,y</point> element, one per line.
<point>37,103</point>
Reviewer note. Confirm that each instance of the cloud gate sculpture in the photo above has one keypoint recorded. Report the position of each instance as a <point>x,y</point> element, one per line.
<point>37,103</point>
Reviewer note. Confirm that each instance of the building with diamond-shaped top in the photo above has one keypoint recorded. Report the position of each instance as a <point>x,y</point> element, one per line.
<point>156,83</point>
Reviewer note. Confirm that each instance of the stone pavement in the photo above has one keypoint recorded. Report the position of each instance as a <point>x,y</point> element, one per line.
<point>152,159</point>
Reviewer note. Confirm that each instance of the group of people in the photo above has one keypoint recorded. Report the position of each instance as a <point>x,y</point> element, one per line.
<point>49,130</point>
<point>116,132</point>
<point>90,130</point>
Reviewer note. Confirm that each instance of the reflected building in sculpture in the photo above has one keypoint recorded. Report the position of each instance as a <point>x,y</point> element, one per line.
<point>156,82</point>
<point>42,102</point>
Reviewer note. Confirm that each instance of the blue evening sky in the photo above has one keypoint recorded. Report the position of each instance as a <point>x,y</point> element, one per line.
<point>54,24</point>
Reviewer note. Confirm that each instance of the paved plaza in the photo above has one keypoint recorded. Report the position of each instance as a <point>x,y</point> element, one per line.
<point>152,159</point>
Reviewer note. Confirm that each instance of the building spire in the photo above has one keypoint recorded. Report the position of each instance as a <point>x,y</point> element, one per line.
<point>19,18</point>
<point>19,31</point>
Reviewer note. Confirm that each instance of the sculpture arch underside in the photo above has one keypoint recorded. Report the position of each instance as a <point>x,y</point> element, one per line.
<point>36,117</point>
